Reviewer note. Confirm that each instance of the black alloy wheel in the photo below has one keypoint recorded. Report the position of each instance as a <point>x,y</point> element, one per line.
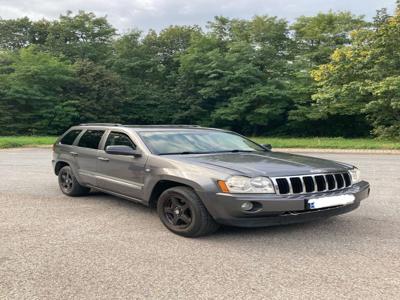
<point>183,212</point>
<point>177,211</point>
<point>66,180</point>
<point>68,183</point>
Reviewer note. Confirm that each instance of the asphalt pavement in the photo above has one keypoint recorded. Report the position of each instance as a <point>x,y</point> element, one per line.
<point>104,247</point>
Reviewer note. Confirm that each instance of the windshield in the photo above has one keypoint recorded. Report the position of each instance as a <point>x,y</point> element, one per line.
<point>196,141</point>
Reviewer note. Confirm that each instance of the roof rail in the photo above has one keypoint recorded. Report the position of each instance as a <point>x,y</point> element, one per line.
<point>142,126</point>
<point>166,126</point>
<point>100,124</point>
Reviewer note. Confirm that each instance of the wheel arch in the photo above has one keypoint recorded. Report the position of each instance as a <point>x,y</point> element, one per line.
<point>161,186</point>
<point>59,165</point>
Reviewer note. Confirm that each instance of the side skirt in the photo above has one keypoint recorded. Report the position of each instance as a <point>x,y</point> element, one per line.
<point>118,195</point>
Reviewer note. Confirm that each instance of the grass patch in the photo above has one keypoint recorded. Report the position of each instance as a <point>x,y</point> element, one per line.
<point>328,143</point>
<point>276,142</point>
<point>25,141</point>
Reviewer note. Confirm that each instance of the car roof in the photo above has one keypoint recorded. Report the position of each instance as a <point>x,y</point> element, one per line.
<point>145,127</point>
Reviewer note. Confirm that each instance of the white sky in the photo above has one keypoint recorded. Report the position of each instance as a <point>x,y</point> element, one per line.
<point>157,14</point>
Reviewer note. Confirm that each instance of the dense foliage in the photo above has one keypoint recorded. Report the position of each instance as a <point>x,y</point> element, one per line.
<point>333,74</point>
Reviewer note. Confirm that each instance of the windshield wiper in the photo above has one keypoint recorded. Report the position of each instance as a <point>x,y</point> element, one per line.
<point>182,153</point>
<point>238,150</point>
<point>206,152</point>
<point>234,151</point>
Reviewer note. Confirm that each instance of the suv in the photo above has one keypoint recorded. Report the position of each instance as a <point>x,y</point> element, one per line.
<point>199,178</point>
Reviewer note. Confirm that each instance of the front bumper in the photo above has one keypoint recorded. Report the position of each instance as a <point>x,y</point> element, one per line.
<point>278,209</point>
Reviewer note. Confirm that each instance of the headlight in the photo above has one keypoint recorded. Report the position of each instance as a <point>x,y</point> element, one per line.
<point>355,175</point>
<point>241,184</point>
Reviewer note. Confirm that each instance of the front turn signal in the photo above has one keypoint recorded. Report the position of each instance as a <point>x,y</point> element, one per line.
<point>223,187</point>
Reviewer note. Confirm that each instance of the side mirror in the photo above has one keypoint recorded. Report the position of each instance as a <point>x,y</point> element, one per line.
<point>123,150</point>
<point>267,146</point>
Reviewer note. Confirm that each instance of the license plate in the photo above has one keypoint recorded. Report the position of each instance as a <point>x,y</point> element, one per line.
<point>330,201</point>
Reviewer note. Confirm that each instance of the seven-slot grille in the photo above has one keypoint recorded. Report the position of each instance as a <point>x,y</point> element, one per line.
<point>311,183</point>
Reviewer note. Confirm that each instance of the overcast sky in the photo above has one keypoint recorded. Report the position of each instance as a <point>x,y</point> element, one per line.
<point>157,14</point>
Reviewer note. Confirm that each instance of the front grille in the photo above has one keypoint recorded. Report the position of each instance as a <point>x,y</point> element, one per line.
<point>283,185</point>
<point>311,183</point>
<point>297,185</point>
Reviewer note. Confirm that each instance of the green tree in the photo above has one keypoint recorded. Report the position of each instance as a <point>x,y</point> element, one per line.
<point>15,34</point>
<point>318,36</point>
<point>149,68</point>
<point>33,88</point>
<point>20,33</point>
<point>256,76</point>
<point>315,38</point>
<point>238,72</point>
<point>363,79</point>
<point>81,36</point>
<point>140,70</point>
<point>98,92</point>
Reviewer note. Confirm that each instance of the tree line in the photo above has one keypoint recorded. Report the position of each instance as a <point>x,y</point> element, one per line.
<point>332,74</point>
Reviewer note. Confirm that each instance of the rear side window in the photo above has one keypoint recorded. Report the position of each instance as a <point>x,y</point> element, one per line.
<point>91,139</point>
<point>70,137</point>
<point>119,139</point>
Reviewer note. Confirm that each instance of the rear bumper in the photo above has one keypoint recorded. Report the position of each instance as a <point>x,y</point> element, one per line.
<point>279,209</point>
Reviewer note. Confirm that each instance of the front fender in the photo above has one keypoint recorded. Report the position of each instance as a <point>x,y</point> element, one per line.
<point>199,184</point>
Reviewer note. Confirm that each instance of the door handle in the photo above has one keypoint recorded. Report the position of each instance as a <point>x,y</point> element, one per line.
<point>103,158</point>
<point>73,153</point>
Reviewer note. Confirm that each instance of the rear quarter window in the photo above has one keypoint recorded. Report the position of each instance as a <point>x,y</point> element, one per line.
<point>91,139</point>
<point>70,137</point>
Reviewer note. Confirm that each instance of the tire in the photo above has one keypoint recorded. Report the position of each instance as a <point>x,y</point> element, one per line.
<point>69,185</point>
<point>183,213</point>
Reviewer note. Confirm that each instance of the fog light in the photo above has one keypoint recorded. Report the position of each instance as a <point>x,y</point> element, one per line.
<point>247,206</point>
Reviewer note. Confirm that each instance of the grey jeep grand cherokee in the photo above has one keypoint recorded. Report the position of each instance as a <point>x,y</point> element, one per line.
<point>198,178</point>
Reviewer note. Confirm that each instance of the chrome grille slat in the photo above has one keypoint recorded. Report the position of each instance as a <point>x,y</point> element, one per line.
<point>344,180</point>
<point>291,187</point>
<point>336,185</point>
<point>302,184</point>
<point>326,183</point>
<point>312,176</point>
<point>315,184</point>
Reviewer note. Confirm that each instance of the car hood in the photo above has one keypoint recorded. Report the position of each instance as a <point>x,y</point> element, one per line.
<point>263,164</point>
